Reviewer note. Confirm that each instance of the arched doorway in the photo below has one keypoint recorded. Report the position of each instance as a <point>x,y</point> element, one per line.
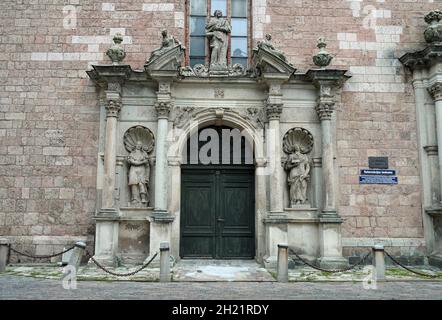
<point>217,195</point>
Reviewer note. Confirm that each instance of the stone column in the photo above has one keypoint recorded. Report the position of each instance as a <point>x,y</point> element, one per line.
<point>330,241</point>
<point>436,91</point>
<point>276,220</point>
<point>325,109</point>
<point>161,220</point>
<point>261,204</point>
<point>273,109</point>
<point>106,240</point>
<point>113,108</point>
<point>163,109</point>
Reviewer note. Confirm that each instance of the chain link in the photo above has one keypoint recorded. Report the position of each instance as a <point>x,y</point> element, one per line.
<point>333,270</point>
<point>408,269</point>
<point>89,256</point>
<point>40,257</point>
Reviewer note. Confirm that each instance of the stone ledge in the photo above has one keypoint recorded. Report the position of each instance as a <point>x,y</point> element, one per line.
<point>435,212</point>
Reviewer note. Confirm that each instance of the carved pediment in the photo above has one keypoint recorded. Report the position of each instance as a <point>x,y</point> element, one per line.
<point>169,60</point>
<point>266,61</point>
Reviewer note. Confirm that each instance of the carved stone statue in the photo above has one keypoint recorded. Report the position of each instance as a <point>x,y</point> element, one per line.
<point>268,45</point>
<point>139,142</point>
<point>217,30</point>
<point>297,143</point>
<point>139,173</point>
<point>167,43</point>
<point>298,167</point>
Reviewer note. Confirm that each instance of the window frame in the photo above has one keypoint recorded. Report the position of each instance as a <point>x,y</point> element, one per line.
<point>227,15</point>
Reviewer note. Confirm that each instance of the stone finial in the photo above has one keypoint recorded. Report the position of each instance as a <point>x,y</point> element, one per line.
<point>322,59</point>
<point>433,33</point>
<point>116,52</point>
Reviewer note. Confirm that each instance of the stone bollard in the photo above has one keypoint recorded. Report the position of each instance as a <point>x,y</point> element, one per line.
<point>77,254</point>
<point>379,261</point>
<point>283,263</point>
<point>164,262</point>
<point>4,249</point>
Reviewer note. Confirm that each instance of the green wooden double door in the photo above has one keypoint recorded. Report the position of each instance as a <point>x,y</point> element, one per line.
<point>217,213</point>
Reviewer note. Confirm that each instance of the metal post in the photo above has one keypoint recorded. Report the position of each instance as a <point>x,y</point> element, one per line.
<point>379,261</point>
<point>77,254</point>
<point>283,263</point>
<point>4,243</point>
<point>164,262</point>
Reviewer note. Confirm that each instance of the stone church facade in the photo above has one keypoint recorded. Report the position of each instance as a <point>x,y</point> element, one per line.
<point>119,123</point>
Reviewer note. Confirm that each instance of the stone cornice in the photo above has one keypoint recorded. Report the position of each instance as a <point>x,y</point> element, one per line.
<point>109,76</point>
<point>424,58</point>
<point>436,91</point>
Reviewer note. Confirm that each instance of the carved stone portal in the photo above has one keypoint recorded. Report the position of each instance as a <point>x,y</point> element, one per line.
<point>297,143</point>
<point>139,142</point>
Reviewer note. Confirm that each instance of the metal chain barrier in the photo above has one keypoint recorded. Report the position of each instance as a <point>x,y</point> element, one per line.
<point>89,256</point>
<point>408,269</point>
<point>38,256</point>
<point>333,270</point>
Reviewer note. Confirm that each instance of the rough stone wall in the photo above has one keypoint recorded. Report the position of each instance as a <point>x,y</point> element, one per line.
<point>49,115</point>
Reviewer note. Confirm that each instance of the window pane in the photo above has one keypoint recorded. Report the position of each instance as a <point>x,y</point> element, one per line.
<point>239,47</point>
<point>242,61</point>
<point>239,8</point>
<point>219,5</point>
<point>197,46</point>
<point>194,61</point>
<point>239,27</point>
<point>197,26</point>
<point>198,7</point>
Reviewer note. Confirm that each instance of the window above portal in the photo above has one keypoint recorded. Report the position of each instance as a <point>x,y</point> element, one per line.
<point>236,12</point>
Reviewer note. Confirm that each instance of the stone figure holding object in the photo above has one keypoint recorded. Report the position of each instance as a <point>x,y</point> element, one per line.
<point>139,173</point>
<point>298,167</point>
<point>217,30</point>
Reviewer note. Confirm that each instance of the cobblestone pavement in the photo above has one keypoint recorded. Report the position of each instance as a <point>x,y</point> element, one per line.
<point>17,287</point>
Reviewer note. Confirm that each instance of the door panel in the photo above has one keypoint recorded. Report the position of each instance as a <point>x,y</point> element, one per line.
<point>236,208</point>
<point>197,221</point>
<point>217,218</point>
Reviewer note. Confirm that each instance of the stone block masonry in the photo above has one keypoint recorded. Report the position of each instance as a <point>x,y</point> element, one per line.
<point>49,117</point>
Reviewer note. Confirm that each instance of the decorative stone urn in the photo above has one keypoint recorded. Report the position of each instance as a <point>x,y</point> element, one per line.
<point>322,59</point>
<point>116,53</point>
<point>433,33</point>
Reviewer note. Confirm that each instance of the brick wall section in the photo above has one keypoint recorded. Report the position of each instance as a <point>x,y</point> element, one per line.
<point>49,113</point>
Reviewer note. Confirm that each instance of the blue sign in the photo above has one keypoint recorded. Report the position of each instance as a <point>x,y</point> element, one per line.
<point>378,179</point>
<point>378,172</point>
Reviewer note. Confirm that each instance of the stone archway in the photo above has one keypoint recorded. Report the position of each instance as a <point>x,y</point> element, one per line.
<point>232,119</point>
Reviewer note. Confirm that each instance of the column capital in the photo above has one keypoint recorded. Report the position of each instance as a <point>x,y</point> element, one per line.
<point>163,109</point>
<point>113,104</point>
<point>273,110</point>
<point>436,91</point>
<point>325,108</point>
